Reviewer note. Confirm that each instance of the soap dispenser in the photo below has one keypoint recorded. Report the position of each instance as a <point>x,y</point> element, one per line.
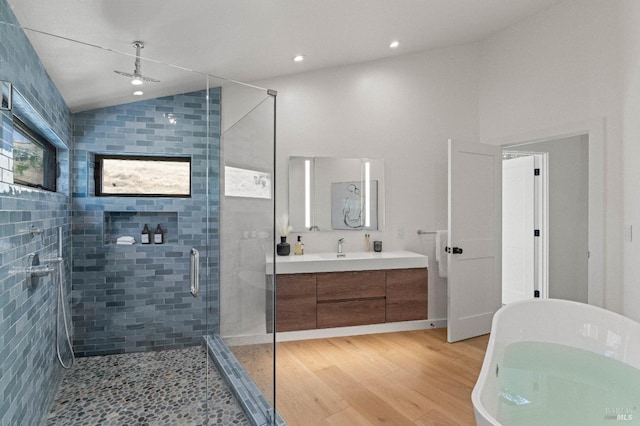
<point>299,247</point>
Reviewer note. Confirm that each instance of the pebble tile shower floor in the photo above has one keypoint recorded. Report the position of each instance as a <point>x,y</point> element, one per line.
<point>146,388</point>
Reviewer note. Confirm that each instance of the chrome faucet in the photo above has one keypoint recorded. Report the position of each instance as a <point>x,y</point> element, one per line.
<point>340,253</point>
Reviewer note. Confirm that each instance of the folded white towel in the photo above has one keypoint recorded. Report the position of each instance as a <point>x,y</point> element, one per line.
<point>126,239</point>
<point>441,255</point>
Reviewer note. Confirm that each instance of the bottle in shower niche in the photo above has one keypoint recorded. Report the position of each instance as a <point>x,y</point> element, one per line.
<point>145,235</point>
<point>158,235</point>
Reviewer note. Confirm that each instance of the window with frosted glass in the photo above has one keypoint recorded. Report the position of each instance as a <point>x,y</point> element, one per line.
<point>142,176</point>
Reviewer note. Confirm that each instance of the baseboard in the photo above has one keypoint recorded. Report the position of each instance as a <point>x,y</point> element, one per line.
<point>336,332</point>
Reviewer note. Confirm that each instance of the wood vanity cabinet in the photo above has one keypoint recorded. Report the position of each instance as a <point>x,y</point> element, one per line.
<point>295,302</point>
<point>338,299</point>
<point>350,285</point>
<point>351,298</point>
<point>406,294</point>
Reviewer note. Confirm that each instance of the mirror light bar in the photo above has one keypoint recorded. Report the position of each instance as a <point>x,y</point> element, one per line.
<point>307,194</point>
<point>367,194</point>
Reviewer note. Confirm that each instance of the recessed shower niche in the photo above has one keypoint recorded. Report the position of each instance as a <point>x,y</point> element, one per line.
<point>130,223</point>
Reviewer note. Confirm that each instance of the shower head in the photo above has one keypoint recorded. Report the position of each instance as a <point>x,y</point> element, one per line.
<point>137,77</point>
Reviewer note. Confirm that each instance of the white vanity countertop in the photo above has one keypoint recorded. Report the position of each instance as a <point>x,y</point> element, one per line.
<point>353,261</point>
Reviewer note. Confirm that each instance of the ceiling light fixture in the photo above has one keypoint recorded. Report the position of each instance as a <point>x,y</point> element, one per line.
<point>136,77</point>
<point>138,93</point>
<point>298,58</point>
<point>394,44</point>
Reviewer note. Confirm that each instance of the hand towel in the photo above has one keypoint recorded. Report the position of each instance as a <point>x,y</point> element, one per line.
<point>126,239</point>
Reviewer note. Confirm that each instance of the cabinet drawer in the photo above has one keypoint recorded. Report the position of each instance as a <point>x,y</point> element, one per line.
<point>350,312</point>
<point>406,294</point>
<point>295,302</point>
<point>350,285</point>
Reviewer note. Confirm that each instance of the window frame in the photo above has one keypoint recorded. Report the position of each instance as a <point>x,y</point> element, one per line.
<point>98,168</point>
<point>50,168</point>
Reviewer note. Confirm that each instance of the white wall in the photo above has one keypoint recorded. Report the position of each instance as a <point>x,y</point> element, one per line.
<point>403,110</point>
<point>575,62</point>
<point>554,69</point>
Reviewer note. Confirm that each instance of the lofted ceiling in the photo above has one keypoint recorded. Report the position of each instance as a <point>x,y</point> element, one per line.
<point>81,42</point>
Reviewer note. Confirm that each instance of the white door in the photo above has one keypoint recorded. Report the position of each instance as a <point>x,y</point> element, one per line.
<point>475,240</point>
<point>518,225</point>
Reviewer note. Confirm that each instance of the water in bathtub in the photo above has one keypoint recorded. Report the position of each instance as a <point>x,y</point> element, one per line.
<point>550,384</point>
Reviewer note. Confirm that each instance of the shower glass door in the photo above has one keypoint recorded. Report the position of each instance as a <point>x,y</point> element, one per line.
<point>247,239</point>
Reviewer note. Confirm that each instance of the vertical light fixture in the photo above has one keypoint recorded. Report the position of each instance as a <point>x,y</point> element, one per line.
<point>307,194</point>
<point>367,194</point>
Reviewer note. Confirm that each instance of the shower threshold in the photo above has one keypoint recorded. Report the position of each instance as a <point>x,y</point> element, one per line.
<point>254,403</point>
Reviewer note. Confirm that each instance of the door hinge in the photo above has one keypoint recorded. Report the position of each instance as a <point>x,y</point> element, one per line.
<point>536,293</point>
<point>536,232</point>
<point>536,172</point>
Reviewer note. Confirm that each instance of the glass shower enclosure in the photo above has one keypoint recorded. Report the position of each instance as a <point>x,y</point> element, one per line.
<point>144,298</point>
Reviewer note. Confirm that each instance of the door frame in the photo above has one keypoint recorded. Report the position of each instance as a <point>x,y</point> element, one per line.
<point>542,223</point>
<point>595,130</point>
<point>541,218</point>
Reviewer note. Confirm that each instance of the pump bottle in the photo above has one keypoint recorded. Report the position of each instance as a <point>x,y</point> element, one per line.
<point>299,247</point>
<point>158,235</point>
<point>145,235</point>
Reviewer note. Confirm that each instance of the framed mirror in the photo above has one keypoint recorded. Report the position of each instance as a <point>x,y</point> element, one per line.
<point>336,193</point>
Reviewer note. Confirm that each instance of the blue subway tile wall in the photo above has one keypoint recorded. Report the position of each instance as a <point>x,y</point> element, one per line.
<point>21,66</point>
<point>137,298</point>
<point>29,369</point>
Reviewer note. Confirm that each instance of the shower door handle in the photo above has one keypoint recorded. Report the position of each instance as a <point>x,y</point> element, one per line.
<point>195,272</point>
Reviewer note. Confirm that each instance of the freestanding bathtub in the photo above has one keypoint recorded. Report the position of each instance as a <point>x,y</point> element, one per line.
<point>557,362</point>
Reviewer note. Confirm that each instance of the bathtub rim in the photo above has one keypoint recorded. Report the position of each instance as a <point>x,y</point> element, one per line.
<point>488,361</point>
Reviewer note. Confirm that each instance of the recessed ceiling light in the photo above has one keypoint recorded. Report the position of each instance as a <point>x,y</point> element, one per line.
<point>138,93</point>
<point>298,58</point>
<point>394,44</point>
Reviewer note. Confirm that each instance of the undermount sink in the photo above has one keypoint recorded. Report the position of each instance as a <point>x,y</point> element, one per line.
<point>350,261</point>
<point>344,256</point>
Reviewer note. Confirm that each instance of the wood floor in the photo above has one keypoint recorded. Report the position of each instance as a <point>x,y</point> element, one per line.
<point>404,378</point>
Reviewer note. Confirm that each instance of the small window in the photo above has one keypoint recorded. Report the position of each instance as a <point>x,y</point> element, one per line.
<point>142,176</point>
<point>34,158</point>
